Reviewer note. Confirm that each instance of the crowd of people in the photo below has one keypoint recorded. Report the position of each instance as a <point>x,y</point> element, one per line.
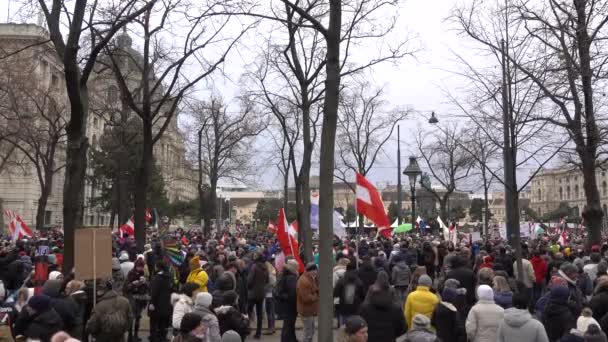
<point>237,287</point>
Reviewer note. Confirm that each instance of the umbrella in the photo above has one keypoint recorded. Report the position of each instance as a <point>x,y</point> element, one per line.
<point>403,228</point>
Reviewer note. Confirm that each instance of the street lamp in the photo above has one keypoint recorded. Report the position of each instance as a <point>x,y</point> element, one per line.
<point>433,120</point>
<point>412,171</point>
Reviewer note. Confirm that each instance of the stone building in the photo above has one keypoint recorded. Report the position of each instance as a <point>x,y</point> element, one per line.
<point>19,189</point>
<point>552,186</point>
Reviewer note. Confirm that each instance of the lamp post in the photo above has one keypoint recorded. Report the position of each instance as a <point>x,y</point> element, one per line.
<point>412,171</point>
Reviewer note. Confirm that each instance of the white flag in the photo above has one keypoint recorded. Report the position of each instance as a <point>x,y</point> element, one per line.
<point>338,225</point>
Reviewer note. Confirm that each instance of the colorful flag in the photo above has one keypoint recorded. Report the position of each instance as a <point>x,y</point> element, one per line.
<point>17,226</point>
<point>369,204</point>
<point>288,240</point>
<point>403,228</point>
<point>314,210</point>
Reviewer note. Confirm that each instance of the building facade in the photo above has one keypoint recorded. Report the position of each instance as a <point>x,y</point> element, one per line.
<point>552,187</point>
<point>19,188</point>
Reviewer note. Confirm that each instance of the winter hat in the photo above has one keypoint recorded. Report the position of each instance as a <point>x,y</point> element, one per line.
<point>559,293</point>
<point>195,263</point>
<point>124,256</point>
<point>452,283</point>
<point>354,324</point>
<point>449,294</point>
<point>204,299</point>
<point>54,275</point>
<point>484,292</point>
<point>421,321</point>
<point>39,302</point>
<point>231,336</point>
<point>189,322</point>
<point>2,291</point>
<point>425,280</point>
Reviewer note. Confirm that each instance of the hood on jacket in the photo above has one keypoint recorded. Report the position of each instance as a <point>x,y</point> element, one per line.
<point>380,299</point>
<point>179,297</point>
<point>516,317</point>
<point>52,288</point>
<point>222,310</point>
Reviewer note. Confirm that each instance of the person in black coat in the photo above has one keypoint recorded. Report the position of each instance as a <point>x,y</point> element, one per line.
<point>286,298</point>
<point>557,316</point>
<point>367,274</point>
<point>160,308</point>
<point>384,318</point>
<point>257,280</point>
<point>599,302</point>
<point>446,319</point>
<point>38,320</point>
<point>229,318</point>
<point>66,307</point>
<point>349,290</point>
<point>465,276</point>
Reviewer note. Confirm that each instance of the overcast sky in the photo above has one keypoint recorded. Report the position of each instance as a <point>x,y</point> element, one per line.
<point>413,82</point>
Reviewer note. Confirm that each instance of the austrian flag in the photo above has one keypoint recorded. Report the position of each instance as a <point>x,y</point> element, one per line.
<point>17,226</point>
<point>369,204</point>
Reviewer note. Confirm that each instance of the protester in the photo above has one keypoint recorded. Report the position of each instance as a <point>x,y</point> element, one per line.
<point>160,308</point>
<point>503,295</point>
<point>308,299</point>
<point>191,329</point>
<point>401,277</point>
<point>558,317</point>
<point>355,330</point>
<point>420,330</point>
<point>421,301</point>
<point>197,274</point>
<point>384,317</point>
<point>257,281</point>
<point>286,297</point>
<point>136,289</point>
<point>202,307</point>
<point>183,303</point>
<point>485,317</point>
<point>38,320</point>
<point>447,319</point>
<point>518,324</point>
<point>350,295</point>
<point>111,318</point>
<point>75,290</point>
<point>230,318</point>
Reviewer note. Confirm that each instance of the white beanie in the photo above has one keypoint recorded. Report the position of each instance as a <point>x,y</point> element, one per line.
<point>54,275</point>
<point>204,299</point>
<point>484,292</point>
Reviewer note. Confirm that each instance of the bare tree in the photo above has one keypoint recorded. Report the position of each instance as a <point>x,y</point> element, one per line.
<point>448,162</point>
<point>566,61</point>
<point>225,145</point>
<point>34,118</point>
<point>486,153</point>
<point>90,27</point>
<point>364,127</point>
<point>154,83</point>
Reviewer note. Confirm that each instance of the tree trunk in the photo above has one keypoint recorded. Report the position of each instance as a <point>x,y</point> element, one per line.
<point>45,192</point>
<point>141,186</point>
<point>592,213</point>
<point>211,204</point>
<point>326,174</point>
<point>486,208</point>
<point>286,189</point>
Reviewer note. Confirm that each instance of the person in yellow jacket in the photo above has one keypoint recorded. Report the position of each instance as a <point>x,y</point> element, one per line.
<point>422,301</point>
<point>197,274</point>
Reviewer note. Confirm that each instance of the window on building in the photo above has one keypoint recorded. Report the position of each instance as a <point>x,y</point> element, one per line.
<point>568,192</point>
<point>91,220</point>
<point>112,95</point>
<point>576,194</point>
<point>539,195</point>
<point>94,141</point>
<point>604,189</point>
<point>605,211</point>
<point>561,193</point>
<point>54,81</point>
<point>47,216</point>
<point>540,211</point>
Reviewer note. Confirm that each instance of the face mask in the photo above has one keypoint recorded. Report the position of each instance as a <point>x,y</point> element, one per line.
<point>200,335</point>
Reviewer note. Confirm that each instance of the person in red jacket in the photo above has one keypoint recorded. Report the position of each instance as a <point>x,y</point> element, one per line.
<point>540,272</point>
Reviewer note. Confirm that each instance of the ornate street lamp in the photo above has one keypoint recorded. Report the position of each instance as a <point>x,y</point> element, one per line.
<point>433,120</point>
<point>412,171</point>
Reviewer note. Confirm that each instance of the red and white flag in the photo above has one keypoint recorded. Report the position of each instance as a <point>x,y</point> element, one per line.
<point>369,204</point>
<point>17,226</point>
<point>563,239</point>
<point>271,227</point>
<point>287,235</point>
<point>129,227</point>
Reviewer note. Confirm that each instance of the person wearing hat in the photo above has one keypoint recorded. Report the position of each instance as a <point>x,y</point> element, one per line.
<point>447,320</point>
<point>197,274</point>
<point>38,320</point>
<point>136,289</point>
<point>126,265</point>
<point>191,329</point>
<point>484,317</point>
<point>230,318</point>
<point>231,336</point>
<point>308,299</point>
<point>421,301</point>
<point>354,330</point>
<point>202,307</point>
<point>420,330</point>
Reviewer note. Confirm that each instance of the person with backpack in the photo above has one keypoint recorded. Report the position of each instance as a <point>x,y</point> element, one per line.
<point>257,281</point>
<point>136,290</point>
<point>197,274</point>
<point>160,308</point>
<point>111,317</point>
<point>349,291</point>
